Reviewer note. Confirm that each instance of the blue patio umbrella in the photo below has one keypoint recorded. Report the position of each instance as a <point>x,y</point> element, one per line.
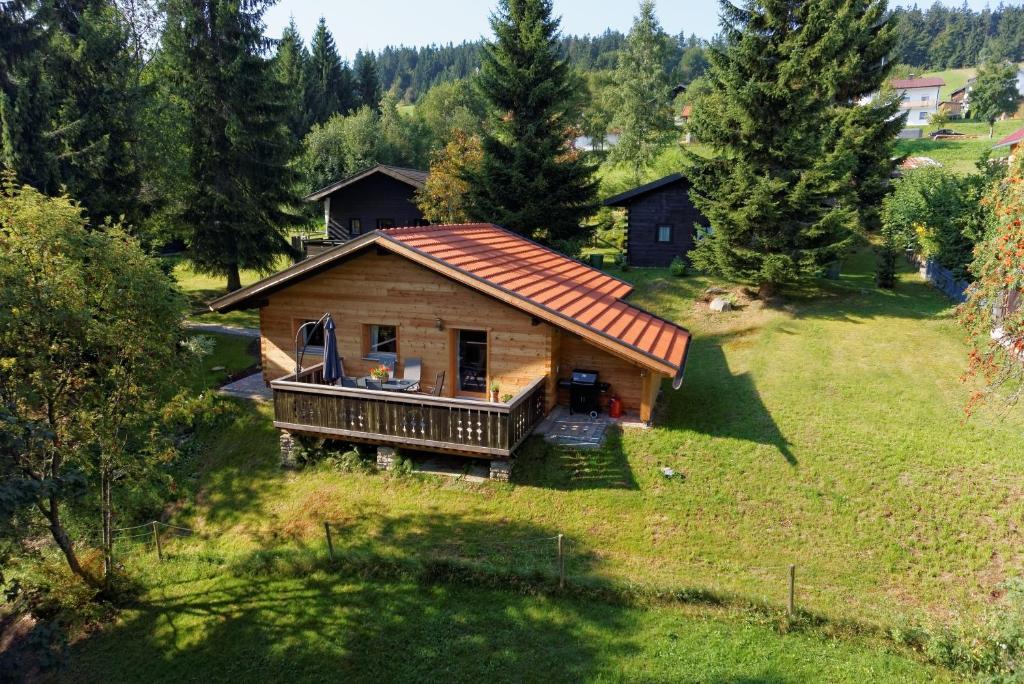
<point>332,365</point>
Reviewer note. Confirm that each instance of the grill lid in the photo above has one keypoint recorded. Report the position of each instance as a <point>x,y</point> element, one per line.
<point>584,377</point>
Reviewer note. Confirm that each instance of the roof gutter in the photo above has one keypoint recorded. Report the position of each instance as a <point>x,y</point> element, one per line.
<point>678,379</point>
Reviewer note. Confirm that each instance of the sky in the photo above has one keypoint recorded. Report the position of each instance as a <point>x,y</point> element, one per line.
<point>374,24</point>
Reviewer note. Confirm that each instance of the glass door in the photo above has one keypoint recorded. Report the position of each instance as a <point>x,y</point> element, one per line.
<point>471,361</point>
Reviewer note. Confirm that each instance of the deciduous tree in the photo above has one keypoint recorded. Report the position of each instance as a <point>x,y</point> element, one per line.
<point>995,92</point>
<point>89,349</point>
<point>993,314</point>
<point>444,197</point>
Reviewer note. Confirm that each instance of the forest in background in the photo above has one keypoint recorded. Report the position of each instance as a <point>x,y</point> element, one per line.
<point>937,37</point>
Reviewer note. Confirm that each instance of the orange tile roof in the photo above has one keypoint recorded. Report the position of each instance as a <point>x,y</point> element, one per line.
<point>551,280</point>
<point>510,267</point>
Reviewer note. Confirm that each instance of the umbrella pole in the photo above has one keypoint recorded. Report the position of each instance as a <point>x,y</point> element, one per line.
<point>298,334</point>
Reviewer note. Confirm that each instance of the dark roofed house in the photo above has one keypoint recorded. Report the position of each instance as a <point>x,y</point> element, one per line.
<point>469,308</point>
<point>381,196</point>
<point>660,220</point>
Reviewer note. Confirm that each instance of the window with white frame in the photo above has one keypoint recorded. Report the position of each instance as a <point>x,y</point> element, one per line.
<point>664,234</point>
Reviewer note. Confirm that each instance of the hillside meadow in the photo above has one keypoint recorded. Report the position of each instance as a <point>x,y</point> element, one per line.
<point>827,433</point>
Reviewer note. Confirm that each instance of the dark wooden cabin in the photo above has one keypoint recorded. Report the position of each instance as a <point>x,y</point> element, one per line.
<point>378,197</point>
<point>661,220</point>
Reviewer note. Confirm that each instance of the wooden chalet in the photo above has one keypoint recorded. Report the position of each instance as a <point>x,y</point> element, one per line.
<point>660,220</point>
<point>381,196</point>
<point>472,306</point>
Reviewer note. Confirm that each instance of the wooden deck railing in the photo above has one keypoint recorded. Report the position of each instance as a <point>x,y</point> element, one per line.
<point>406,419</point>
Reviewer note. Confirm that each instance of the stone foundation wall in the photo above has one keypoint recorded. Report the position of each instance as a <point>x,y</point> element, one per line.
<point>501,470</point>
<point>386,457</point>
<point>288,450</point>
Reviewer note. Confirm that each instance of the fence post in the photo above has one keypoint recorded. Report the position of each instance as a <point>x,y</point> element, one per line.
<point>330,544</point>
<point>561,563</point>
<point>791,604</point>
<point>156,538</point>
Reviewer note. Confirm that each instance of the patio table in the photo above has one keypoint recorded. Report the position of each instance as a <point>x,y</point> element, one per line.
<point>392,385</point>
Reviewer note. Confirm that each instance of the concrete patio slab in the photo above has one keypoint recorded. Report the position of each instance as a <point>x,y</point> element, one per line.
<point>249,387</point>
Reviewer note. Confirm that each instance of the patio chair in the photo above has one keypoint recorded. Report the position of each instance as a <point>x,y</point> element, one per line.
<point>411,371</point>
<point>373,385</point>
<point>438,385</point>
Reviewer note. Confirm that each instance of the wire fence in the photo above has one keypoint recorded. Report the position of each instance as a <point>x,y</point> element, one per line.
<point>557,555</point>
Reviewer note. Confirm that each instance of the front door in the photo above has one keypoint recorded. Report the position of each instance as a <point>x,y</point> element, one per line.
<point>470,361</point>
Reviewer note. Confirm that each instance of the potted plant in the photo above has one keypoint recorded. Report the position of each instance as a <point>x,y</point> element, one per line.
<point>495,389</point>
<point>380,373</point>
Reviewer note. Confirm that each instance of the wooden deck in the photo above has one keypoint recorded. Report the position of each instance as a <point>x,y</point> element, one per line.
<point>418,421</point>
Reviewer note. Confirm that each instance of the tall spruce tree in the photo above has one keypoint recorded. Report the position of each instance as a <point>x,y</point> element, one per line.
<point>773,196</point>
<point>93,72</point>
<point>239,196</point>
<point>69,103</point>
<point>291,67</point>
<point>855,64</point>
<point>367,79</point>
<point>643,110</point>
<point>530,180</point>
<point>329,84</point>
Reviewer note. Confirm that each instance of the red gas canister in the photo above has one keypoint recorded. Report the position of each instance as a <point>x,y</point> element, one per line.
<point>615,407</point>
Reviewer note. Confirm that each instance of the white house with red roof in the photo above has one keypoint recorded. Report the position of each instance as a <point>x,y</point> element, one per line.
<point>919,97</point>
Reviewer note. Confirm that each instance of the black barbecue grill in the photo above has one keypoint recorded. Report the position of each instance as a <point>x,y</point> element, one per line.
<point>584,391</point>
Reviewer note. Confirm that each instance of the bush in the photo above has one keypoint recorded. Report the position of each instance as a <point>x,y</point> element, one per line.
<point>677,267</point>
<point>885,267</point>
<point>350,461</point>
<point>939,214</point>
<point>401,466</point>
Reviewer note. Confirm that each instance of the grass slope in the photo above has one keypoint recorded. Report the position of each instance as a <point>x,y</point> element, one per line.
<point>960,155</point>
<point>201,289</point>
<point>826,433</point>
<point>327,627</point>
<point>231,354</point>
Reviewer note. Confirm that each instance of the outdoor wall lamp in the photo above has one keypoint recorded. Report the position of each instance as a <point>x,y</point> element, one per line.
<point>439,324</point>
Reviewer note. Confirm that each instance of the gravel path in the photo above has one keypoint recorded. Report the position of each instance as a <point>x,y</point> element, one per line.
<point>223,329</point>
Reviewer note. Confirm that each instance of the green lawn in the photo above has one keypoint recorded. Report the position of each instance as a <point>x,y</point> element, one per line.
<point>231,354</point>
<point>960,155</point>
<point>827,432</point>
<point>954,78</point>
<point>201,289</point>
<point>324,626</point>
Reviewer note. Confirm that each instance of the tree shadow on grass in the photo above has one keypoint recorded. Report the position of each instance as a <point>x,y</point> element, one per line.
<point>855,298</point>
<point>714,401</point>
<point>369,616</point>
<point>239,468</point>
<point>539,464</point>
